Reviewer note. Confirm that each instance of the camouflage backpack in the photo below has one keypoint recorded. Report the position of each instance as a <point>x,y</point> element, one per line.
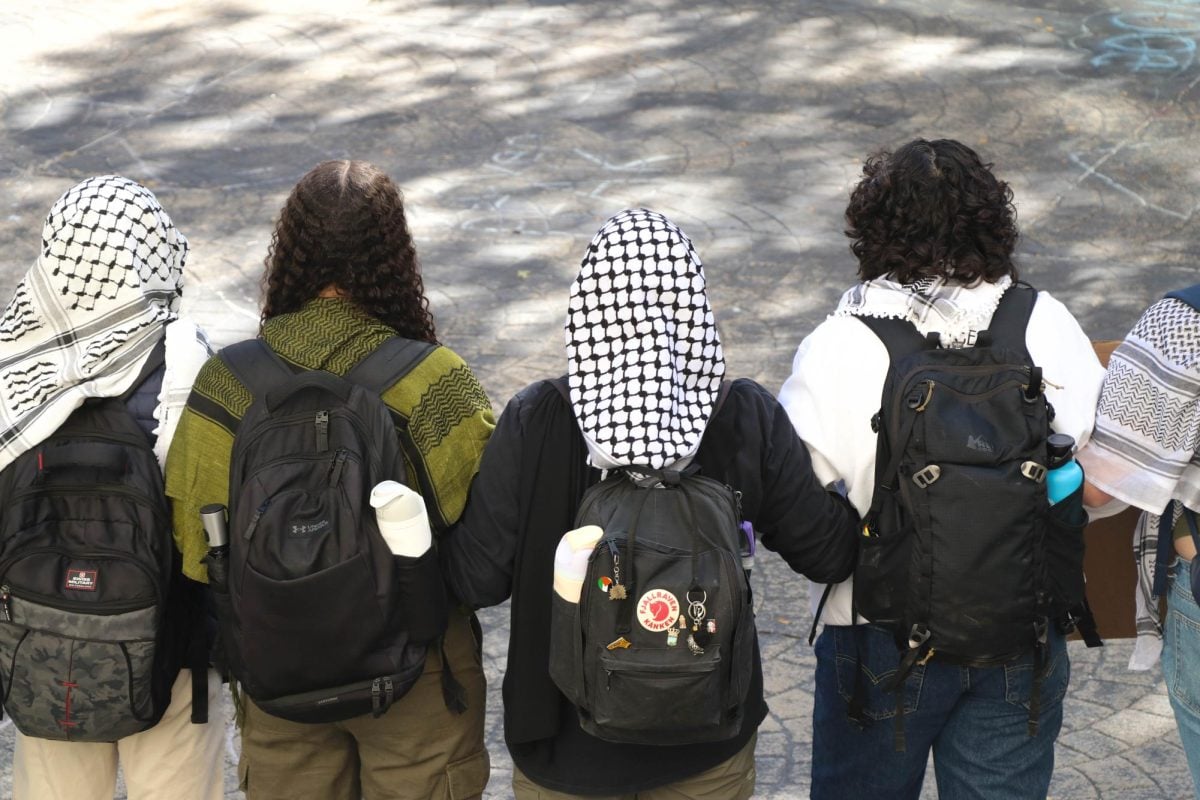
<point>94,623</point>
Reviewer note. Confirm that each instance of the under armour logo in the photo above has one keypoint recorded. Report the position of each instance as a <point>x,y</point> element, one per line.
<point>979,443</point>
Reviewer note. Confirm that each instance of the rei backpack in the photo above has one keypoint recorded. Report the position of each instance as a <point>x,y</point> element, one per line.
<point>962,557</point>
<point>319,620</point>
<point>659,649</point>
<point>95,617</point>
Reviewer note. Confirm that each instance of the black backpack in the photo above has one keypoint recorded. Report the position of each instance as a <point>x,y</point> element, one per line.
<point>660,648</point>
<point>96,618</point>
<point>319,621</point>
<point>963,558</point>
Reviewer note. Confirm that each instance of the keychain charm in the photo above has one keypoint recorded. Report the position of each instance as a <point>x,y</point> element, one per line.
<point>697,611</point>
<point>617,590</point>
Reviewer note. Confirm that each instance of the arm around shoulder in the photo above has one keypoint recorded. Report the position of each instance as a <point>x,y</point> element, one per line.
<point>814,530</point>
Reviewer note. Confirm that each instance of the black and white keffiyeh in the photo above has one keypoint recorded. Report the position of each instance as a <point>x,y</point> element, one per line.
<point>643,356</point>
<point>956,311</point>
<point>1145,448</point>
<point>85,317</point>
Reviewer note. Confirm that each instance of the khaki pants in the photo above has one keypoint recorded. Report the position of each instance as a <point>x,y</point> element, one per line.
<point>174,760</point>
<point>732,779</point>
<point>418,749</point>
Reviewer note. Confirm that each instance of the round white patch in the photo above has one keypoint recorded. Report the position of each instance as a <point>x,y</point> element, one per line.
<point>657,610</point>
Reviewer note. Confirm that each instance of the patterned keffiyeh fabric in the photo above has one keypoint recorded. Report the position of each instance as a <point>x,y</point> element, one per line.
<point>643,356</point>
<point>1144,446</point>
<point>955,311</point>
<point>85,317</point>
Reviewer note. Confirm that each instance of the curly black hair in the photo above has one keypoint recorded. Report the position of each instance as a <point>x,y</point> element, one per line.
<point>343,227</point>
<point>932,209</point>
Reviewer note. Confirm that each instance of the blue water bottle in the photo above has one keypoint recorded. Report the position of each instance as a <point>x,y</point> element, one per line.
<point>1065,475</point>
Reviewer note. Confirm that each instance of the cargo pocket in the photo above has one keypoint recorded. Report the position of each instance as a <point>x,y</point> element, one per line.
<point>566,649</point>
<point>468,777</point>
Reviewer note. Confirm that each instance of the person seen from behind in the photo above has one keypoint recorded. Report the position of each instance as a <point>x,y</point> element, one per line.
<point>933,230</point>
<point>341,283</point>
<point>1145,452</point>
<point>642,399</point>
<point>97,316</point>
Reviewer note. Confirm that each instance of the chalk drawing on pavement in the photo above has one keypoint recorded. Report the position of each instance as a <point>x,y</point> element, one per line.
<point>1161,38</point>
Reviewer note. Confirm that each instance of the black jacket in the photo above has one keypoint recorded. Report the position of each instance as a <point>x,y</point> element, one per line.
<point>524,499</point>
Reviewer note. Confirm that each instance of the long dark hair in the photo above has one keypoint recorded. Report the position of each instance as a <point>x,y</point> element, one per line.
<point>343,226</point>
<point>932,209</point>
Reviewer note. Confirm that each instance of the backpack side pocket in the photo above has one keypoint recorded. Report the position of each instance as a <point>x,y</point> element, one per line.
<point>566,649</point>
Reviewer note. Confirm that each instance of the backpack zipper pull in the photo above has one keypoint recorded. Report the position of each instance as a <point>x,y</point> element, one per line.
<point>322,423</point>
<point>5,602</point>
<point>254,520</point>
<point>335,469</point>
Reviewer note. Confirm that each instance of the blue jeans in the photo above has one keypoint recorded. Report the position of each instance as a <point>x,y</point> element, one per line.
<point>1181,663</point>
<point>974,719</point>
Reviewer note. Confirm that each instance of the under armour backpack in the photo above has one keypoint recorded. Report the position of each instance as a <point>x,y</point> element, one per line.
<point>94,616</point>
<point>319,621</point>
<point>962,555</point>
<point>660,647</point>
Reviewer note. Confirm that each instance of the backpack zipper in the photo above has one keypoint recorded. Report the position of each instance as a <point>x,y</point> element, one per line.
<point>258,513</point>
<point>237,457</point>
<point>111,555</point>
<point>90,490</point>
<point>6,596</point>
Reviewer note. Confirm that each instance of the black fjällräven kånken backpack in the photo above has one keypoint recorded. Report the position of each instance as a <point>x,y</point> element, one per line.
<point>96,618</point>
<point>319,620</point>
<point>963,558</point>
<point>659,649</point>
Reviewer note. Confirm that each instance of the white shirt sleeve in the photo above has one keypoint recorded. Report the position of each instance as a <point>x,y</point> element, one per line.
<point>833,391</point>
<point>1070,368</point>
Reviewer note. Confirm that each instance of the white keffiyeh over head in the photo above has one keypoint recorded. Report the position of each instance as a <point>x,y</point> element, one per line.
<point>643,356</point>
<point>87,314</point>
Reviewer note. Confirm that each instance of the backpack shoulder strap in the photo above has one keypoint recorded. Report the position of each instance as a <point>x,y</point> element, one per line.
<point>1190,295</point>
<point>388,363</point>
<point>256,366</point>
<point>1007,328</point>
<point>899,336</point>
<point>156,360</point>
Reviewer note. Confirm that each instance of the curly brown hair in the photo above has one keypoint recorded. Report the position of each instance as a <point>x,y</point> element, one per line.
<point>343,227</point>
<point>932,209</point>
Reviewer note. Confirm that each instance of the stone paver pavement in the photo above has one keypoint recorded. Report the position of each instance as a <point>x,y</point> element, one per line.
<point>516,128</point>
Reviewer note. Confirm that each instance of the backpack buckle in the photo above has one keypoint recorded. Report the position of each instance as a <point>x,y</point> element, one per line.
<point>917,636</point>
<point>917,400</point>
<point>1034,471</point>
<point>927,476</point>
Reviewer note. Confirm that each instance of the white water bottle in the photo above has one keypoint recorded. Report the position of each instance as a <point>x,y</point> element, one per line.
<point>571,561</point>
<point>402,519</point>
